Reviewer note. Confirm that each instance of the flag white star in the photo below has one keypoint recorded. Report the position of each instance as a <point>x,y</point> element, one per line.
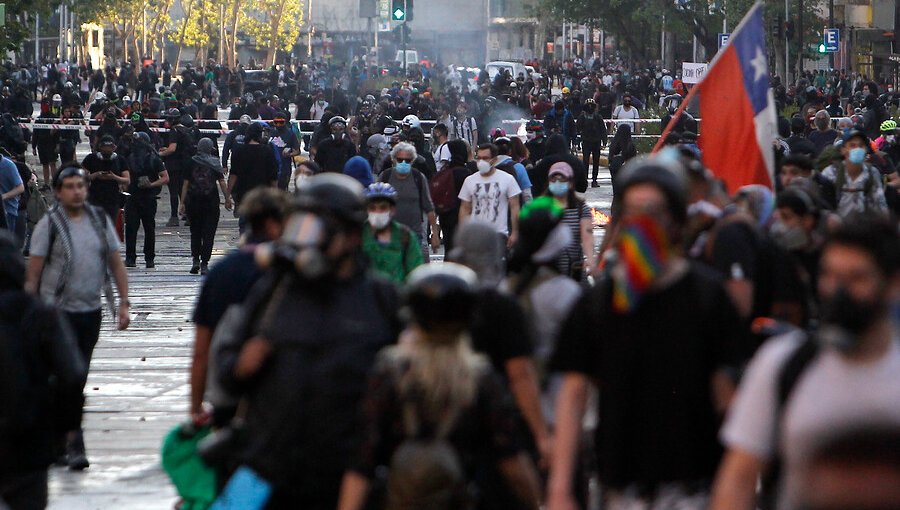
<point>760,68</point>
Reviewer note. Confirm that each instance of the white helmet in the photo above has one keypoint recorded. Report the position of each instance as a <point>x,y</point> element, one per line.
<point>411,121</point>
<point>68,84</point>
<point>126,99</point>
<point>100,96</point>
<point>57,98</point>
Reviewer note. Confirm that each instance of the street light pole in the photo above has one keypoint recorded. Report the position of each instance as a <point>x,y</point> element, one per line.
<point>831,25</point>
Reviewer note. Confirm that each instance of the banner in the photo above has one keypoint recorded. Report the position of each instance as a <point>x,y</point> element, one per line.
<point>693,72</point>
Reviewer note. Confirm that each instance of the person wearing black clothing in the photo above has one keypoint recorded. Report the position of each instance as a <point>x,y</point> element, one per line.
<point>621,149</point>
<point>557,150</point>
<point>593,133</point>
<point>332,153</point>
<point>109,126</point>
<point>798,142</point>
<point>253,165</point>
<point>176,155</point>
<point>200,200</point>
<point>148,176</point>
<point>107,172</point>
<point>663,389</point>
<point>37,347</point>
<point>234,139</point>
<point>449,218</point>
<point>302,361</point>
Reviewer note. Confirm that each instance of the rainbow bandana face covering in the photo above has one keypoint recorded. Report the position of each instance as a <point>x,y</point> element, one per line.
<point>644,250</point>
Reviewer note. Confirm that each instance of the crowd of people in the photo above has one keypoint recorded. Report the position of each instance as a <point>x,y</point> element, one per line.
<point>720,349</point>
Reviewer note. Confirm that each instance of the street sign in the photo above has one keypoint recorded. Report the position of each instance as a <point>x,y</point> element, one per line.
<point>2,15</point>
<point>723,39</point>
<point>384,10</point>
<point>832,40</point>
<point>693,72</point>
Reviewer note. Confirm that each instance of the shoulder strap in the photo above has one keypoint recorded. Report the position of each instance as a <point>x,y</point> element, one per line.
<point>789,375</point>
<point>417,178</point>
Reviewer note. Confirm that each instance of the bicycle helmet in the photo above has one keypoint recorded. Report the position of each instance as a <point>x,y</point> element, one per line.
<point>565,90</point>
<point>411,121</point>
<point>888,126</point>
<point>381,191</point>
<point>498,132</point>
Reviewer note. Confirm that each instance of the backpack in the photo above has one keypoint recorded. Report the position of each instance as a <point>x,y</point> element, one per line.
<point>840,180</point>
<point>443,191</point>
<point>425,472</point>
<point>141,163</point>
<point>203,182</point>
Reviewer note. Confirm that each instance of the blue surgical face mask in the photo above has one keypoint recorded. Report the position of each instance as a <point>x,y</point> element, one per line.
<point>403,168</point>
<point>558,189</point>
<point>857,155</point>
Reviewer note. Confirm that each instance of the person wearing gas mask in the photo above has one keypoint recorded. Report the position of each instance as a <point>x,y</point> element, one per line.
<point>857,184</point>
<point>332,153</point>
<point>108,174</point>
<point>176,155</point>
<point>109,125</point>
<point>286,145</point>
<point>378,153</point>
<point>316,321</point>
<point>800,387</point>
<point>660,336</point>
<point>391,247</point>
<point>45,142</point>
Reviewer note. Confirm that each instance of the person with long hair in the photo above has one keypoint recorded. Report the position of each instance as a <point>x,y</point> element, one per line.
<point>578,258</point>
<point>433,386</point>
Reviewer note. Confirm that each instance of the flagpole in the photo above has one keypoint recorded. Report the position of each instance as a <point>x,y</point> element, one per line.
<point>696,88</point>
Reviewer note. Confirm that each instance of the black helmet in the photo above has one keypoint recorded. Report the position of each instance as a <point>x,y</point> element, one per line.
<point>173,113</point>
<point>335,195</point>
<point>441,295</point>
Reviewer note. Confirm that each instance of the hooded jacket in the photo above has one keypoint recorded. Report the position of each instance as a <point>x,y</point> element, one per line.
<point>557,150</point>
<point>358,168</point>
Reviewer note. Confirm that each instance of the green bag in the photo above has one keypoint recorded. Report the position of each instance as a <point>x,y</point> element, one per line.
<point>194,480</point>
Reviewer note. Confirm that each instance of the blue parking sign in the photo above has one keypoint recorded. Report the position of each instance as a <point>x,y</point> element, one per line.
<point>723,40</point>
<point>832,40</point>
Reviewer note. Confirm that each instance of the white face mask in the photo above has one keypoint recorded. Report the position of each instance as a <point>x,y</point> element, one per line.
<point>484,167</point>
<point>379,221</point>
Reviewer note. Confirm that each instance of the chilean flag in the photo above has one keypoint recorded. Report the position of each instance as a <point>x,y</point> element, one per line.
<point>737,108</point>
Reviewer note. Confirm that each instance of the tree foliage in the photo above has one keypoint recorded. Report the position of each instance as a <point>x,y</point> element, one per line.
<point>20,21</point>
<point>631,21</point>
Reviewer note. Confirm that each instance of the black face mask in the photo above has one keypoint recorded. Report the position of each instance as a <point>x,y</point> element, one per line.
<point>844,319</point>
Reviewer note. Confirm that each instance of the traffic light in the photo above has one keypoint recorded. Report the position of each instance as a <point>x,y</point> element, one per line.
<point>409,10</point>
<point>822,48</point>
<point>398,10</point>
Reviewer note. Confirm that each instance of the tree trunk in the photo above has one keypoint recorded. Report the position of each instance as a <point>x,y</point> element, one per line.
<point>235,15</point>
<point>187,18</point>
<point>273,37</point>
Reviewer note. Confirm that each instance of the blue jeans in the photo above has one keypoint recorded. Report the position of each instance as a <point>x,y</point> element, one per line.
<point>11,222</point>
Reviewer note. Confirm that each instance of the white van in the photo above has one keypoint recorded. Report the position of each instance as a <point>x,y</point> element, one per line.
<point>412,58</point>
<point>494,68</point>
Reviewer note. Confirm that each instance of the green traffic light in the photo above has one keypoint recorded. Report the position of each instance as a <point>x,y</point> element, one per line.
<point>822,48</point>
<point>398,14</point>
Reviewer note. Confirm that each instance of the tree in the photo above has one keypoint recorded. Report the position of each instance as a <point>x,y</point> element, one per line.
<point>20,21</point>
<point>273,24</point>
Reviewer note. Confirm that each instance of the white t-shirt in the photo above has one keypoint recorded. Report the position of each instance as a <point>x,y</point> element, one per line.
<point>489,197</point>
<point>441,155</point>
<point>317,110</point>
<point>830,394</point>
<point>620,113</point>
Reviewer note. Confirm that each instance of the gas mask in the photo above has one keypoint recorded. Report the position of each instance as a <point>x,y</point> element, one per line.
<point>301,247</point>
<point>106,157</point>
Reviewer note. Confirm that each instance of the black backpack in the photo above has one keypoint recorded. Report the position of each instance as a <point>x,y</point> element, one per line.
<point>203,181</point>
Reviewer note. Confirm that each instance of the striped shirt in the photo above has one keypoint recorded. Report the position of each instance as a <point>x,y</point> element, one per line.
<point>573,255</point>
<point>464,128</point>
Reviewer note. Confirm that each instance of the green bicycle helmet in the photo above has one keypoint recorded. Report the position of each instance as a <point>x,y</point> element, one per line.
<point>888,126</point>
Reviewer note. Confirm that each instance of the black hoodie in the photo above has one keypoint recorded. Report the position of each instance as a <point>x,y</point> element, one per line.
<point>557,150</point>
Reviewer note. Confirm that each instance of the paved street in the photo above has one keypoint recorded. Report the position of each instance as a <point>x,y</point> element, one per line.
<point>137,389</point>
